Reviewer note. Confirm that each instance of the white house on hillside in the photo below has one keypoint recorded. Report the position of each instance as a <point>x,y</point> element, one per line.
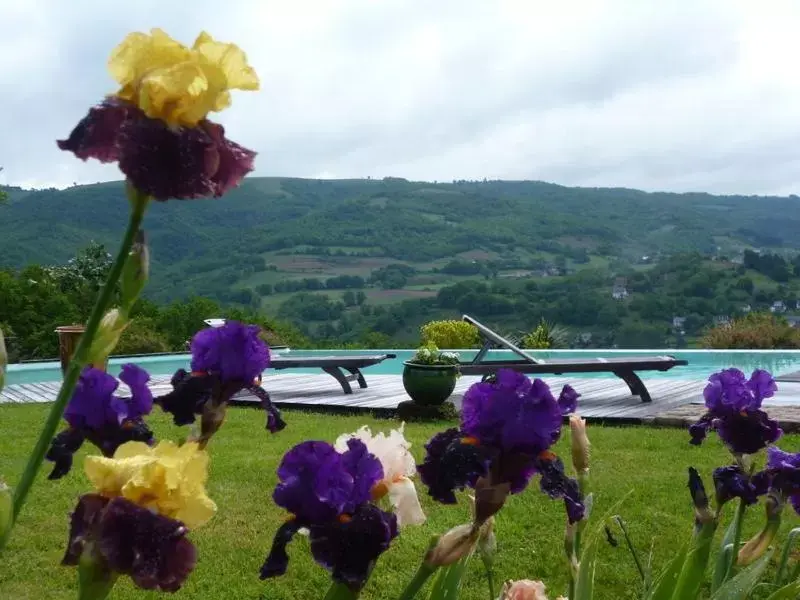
<point>620,291</point>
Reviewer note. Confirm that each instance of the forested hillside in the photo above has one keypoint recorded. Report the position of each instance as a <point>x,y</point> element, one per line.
<point>366,261</point>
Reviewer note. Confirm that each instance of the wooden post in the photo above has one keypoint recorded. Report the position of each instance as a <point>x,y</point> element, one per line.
<point>68,337</point>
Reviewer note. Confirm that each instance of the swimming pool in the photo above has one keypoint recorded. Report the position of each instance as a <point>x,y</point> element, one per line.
<point>701,362</point>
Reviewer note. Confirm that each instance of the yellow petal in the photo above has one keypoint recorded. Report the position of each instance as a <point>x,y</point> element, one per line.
<point>140,53</point>
<point>167,479</point>
<point>230,59</point>
<point>131,449</point>
<point>109,475</point>
<point>176,84</point>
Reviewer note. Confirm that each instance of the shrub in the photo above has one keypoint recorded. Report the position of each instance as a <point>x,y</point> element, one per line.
<point>760,331</point>
<point>546,335</point>
<point>450,334</point>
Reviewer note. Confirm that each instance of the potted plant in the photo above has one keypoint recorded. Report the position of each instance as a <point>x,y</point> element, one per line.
<point>429,377</point>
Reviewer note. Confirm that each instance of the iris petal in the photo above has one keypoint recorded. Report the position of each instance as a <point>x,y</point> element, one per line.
<point>350,548</point>
<point>277,561</point>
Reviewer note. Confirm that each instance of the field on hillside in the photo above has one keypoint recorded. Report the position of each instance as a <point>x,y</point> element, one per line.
<point>424,283</point>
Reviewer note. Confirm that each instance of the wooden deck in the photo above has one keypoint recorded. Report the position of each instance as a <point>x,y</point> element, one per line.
<point>602,398</point>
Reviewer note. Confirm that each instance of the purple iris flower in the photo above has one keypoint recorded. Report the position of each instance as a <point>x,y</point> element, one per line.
<point>734,411</point>
<point>128,539</point>
<point>225,360</point>
<point>233,352</point>
<point>96,414</point>
<point>508,426</point>
<point>781,475</point>
<point>159,160</point>
<point>731,482</point>
<point>329,494</point>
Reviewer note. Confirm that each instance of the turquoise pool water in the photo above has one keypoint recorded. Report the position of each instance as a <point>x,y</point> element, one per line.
<point>701,363</point>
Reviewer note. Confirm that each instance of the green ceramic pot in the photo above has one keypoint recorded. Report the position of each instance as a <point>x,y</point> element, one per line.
<point>429,385</point>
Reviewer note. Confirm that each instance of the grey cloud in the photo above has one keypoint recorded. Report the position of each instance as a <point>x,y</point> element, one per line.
<point>651,95</point>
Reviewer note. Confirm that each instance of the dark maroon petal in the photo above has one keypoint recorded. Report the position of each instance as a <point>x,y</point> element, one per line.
<point>275,422</point>
<point>187,398</point>
<point>165,162</point>
<point>83,523</point>
<point>730,482</point>
<point>451,465</point>
<point>63,446</point>
<point>97,134</point>
<point>235,161</point>
<point>278,560</point>
<point>514,468</point>
<point>556,484</point>
<point>794,500</point>
<point>111,437</point>
<point>761,482</point>
<point>747,432</point>
<point>350,547</point>
<point>152,549</point>
<point>700,430</point>
<point>697,490</point>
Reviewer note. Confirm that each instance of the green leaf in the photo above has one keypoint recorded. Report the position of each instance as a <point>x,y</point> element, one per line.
<point>584,584</point>
<point>339,591</point>
<point>723,563</point>
<point>780,577</point>
<point>694,567</point>
<point>665,582</point>
<point>740,586</point>
<point>584,581</point>
<point>447,584</point>
<point>422,575</point>
<point>787,592</point>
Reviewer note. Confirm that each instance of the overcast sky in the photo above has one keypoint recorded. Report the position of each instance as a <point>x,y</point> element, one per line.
<point>660,95</point>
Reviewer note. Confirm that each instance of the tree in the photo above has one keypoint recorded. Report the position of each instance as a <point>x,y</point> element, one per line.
<point>745,284</point>
<point>361,297</point>
<point>349,298</point>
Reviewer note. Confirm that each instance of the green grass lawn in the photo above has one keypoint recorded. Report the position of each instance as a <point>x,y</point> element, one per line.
<point>649,463</point>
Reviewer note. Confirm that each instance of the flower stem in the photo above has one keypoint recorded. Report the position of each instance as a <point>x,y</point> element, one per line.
<point>422,575</point>
<point>138,207</point>
<point>737,537</point>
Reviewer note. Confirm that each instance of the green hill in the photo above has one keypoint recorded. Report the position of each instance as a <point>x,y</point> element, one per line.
<point>275,229</point>
<point>367,261</point>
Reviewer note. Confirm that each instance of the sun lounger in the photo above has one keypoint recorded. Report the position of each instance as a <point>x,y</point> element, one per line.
<point>793,377</point>
<point>623,367</point>
<point>333,366</point>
